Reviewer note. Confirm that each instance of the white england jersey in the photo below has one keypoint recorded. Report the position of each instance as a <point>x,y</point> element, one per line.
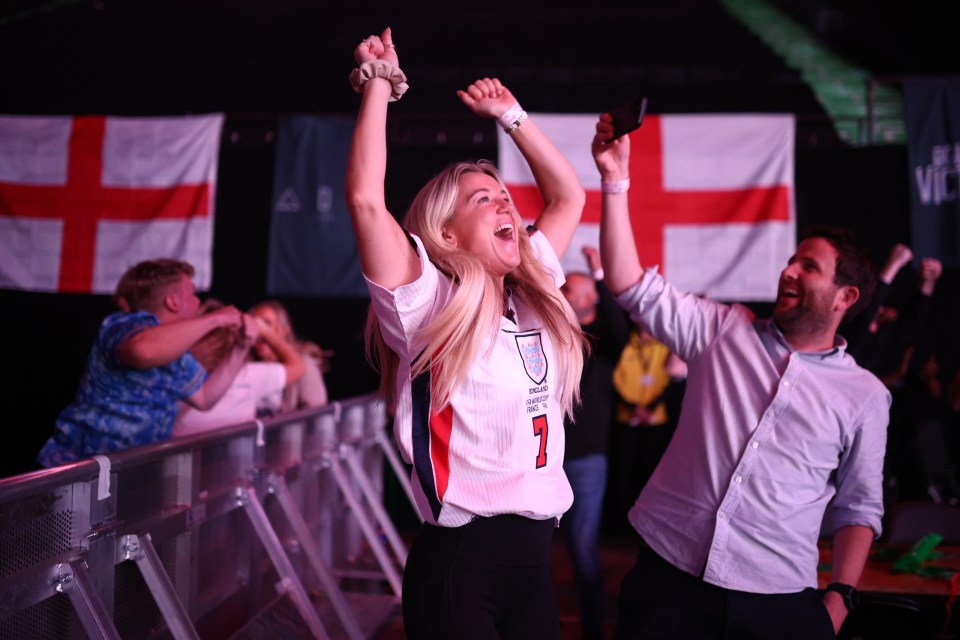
<point>498,446</point>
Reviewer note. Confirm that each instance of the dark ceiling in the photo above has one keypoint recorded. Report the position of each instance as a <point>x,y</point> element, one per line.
<point>143,57</point>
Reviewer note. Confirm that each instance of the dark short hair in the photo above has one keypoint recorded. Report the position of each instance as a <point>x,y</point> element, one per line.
<point>583,274</point>
<point>854,266</point>
<point>138,287</point>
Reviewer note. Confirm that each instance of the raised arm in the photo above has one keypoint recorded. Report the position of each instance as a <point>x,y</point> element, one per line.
<point>618,250</point>
<point>859,329</point>
<point>900,256</point>
<point>220,379</point>
<point>162,344</point>
<point>287,353</point>
<point>930,271</point>
<point>386,256</point>
<point>563,196</point>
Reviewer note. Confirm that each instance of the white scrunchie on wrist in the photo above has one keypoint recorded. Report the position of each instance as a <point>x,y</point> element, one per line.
<point>380,69</point>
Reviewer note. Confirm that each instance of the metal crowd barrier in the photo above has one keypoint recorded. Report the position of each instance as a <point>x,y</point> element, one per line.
<point>260,530</point>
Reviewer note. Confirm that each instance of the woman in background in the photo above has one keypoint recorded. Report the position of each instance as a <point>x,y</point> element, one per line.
<point>309,390</point>
<point>253,383</point>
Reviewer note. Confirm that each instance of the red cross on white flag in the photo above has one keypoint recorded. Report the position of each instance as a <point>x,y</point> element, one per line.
<point>711,197</point>
<point>84,198</point>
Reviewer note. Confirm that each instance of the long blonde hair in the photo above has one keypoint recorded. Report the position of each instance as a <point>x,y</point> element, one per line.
<point>454,338</point>
<point>286,331</point>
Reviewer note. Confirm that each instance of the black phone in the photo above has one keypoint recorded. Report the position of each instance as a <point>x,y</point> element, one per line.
<point>628,117</point>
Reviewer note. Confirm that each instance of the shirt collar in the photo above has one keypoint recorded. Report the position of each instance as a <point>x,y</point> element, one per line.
<point>836,351</point>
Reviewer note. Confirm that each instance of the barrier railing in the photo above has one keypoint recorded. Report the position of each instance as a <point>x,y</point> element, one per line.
<point>235,533</point>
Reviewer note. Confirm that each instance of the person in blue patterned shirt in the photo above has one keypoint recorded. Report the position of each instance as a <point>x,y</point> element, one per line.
<point>141,365</point>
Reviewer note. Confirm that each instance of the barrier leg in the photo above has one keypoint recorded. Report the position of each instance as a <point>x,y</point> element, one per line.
<point>279,487</point>
<point>74,580</point>
<point>373,499</point>
<point>141,550</point>
<point>289,582</point>
<point>398,470</point>
<point>366,526</point>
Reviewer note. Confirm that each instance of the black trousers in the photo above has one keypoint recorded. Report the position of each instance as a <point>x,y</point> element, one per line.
<point>660,602</point>
<point>489,579</point>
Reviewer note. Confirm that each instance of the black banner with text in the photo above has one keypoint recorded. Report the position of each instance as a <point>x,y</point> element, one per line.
<point>932,107</point>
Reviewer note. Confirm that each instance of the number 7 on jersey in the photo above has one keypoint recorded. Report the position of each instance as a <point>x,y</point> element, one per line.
<point>540,430</point>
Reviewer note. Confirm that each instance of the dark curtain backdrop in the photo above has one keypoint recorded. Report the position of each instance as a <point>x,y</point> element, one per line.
<point>48,336</point>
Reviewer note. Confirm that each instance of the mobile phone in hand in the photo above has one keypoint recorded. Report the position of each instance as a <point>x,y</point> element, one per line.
<point>628,117</point>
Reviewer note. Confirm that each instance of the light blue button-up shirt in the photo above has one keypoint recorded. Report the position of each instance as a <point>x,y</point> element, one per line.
<point>767,436</point>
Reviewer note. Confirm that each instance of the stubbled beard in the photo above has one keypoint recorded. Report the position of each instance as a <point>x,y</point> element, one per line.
<point>802,320</point>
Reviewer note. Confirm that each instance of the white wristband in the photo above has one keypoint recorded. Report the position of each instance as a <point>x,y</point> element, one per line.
<point>598,274</point>
<point>617,186</point>
<point>512,118</point>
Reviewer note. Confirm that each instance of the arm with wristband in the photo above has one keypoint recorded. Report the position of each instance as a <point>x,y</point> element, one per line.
<point>618,250</point>
<point>563,197</point>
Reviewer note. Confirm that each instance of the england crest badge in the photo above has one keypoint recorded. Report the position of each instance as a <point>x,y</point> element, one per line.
<point>534,360</point>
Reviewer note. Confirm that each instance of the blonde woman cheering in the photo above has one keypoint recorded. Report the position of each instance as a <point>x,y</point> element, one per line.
<point>481,355</point>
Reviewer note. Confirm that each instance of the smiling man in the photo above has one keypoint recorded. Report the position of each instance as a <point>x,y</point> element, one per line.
<point>777,422</point>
